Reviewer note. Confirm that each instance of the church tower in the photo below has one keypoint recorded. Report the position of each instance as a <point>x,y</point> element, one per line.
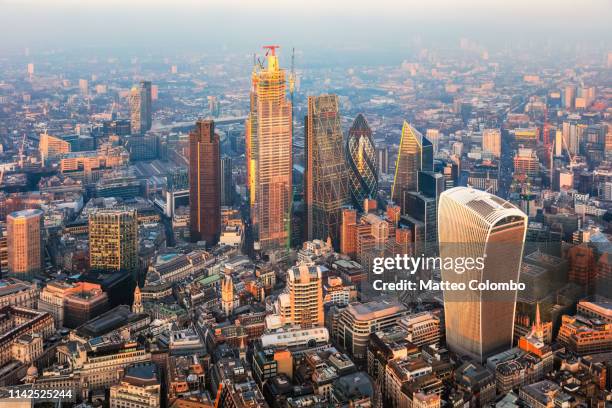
<point>227,295</point>
<point>137,305</point>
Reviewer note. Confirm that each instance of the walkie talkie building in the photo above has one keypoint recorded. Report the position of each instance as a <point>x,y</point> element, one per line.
<point>475,224</point>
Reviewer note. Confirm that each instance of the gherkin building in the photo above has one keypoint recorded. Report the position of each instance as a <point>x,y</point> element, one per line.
<point>361,160</point>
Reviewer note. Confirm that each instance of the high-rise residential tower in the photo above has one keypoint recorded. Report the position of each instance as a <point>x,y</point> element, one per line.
<point>113,240</point>
<point>24,242</point>
<point>268,151</point>
<point>472,225</point>
<point>362,162</point>
<point>326,175</point>
<point>140,107</point>
<point>415,154</point>
<point>204,183</point>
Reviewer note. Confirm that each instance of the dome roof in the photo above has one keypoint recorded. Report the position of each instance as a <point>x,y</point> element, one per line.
<point>32,371</point>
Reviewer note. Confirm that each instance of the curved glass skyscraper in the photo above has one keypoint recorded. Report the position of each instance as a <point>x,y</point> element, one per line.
<point>362,162</point>
<point>475,224</point>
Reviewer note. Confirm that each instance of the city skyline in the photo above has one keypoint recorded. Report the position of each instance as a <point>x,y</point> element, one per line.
<point>285,204</point>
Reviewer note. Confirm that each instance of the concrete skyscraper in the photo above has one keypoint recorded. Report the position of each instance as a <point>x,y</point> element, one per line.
<point>474,224</point>
<point>362,162</point>
<point>113,240</point>
<point>415,154</point>
<point>268,153</point>
<point>305,284</point>
<point>24,242</point>
<point>204,183</point>
<point>140,107</point>
<point>326,174</point>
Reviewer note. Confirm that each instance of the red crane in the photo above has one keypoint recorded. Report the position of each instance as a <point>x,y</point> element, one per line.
<point>271,49</point>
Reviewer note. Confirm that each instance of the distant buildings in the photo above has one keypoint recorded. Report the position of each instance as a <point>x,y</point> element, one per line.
<point>24,241</point>
<point>52,147</point>
<point>140,108</point>
<point>326,176</point>
<point>204,183</point>
<point>474,224</point>
<point>363,162</point>
<point>491,142</point>
<point>113,240</point>
<point>268,155</point>
<point>526,162</point>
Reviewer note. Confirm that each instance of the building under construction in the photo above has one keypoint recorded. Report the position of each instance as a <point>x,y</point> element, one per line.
<point>268,150</point>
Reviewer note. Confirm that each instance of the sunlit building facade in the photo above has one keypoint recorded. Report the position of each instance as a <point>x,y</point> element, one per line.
<point>24,242</point>
<point>415,154</point>
<point>140,107</point>
<point>475,224</point>
<point>362,162</point>
<point>268,154</point>
<point>326,175</point>
<point>113,240</point>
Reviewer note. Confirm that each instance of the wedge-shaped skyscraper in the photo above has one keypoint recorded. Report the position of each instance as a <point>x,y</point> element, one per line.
<point>415,154</point>
<point>473,225</point>
<point>362,162</point>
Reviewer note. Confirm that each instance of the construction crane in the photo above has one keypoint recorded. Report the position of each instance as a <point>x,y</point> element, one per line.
<point>21,151</point>
<point>271,49</point>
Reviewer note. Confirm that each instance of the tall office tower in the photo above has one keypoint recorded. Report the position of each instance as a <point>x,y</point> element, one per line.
<point>569,93</point>
<point>382,159</point>
<point>474,224</point>
<point>113,240</point>
<point>415,154</point>
<point>491,142</point>
<point>433,135</point>
<point>227,183</point>
<point>24,242</point>
<point>362,161</point>
<point>140,107</point>
<point>268,151</point>
<point>146,97</point>
<point>30,70</point>
<point>305,283</point>
<point>420,209</point>
<point>84,87</point>
<point>135,111</point>
<point>326,174</point>
<point>204,183</point>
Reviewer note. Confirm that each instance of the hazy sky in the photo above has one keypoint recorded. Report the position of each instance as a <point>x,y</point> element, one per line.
<point>246,24</point>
